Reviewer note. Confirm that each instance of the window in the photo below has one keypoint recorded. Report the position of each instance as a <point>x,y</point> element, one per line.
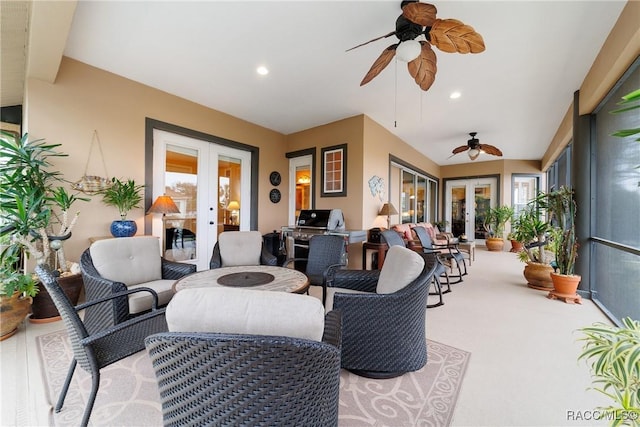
<point>415,192</point>
<point>525,188</point>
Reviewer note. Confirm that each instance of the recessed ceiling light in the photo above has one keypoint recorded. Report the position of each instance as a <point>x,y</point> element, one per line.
<point>455,95</point>
<point>262,70</point>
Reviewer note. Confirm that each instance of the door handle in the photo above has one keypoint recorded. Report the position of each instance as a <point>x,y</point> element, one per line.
<point>211,222</point>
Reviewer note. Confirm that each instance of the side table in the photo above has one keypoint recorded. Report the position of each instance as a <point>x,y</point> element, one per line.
<point>381,248</point>
<point>468,247</point>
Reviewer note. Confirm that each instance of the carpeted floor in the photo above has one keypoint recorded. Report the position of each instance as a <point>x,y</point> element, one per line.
<point>128,395</point>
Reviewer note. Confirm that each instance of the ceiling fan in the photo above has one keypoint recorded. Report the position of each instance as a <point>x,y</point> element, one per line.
<point>417,29</point>
<point>475,148</point>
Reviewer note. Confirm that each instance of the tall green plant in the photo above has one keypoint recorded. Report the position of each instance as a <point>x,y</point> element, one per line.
<point>561,208</point>
<point>613,355</point>
<point>496,219</point>
<point>532,231</point>
<point>630,101</point>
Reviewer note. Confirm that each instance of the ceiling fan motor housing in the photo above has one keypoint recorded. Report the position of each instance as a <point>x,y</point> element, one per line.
<point>407,30</point>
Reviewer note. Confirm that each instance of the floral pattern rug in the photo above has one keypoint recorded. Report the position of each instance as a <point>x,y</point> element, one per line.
<point>128,395</point>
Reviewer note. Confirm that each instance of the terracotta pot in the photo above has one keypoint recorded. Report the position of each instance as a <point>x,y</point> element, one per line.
<point>538,275</point>
<point>565,284</point>
<point>516,246</point>
<point>494,244</point>
<point>13,310</point>
<point>44,310</point>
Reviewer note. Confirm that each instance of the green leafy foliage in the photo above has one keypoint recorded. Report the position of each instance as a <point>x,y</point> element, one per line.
<point>531,230</point>
<point>630,101</point>
<point>124,195</point>
<point>496,219</point>
<point>613,355</point>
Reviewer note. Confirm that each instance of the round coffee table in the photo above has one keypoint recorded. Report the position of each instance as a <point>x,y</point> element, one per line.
<point>262,277</point>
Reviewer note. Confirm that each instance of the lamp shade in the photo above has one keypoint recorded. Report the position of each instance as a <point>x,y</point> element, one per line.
<point>408,50</point>
<point>474,153</point>
<point>164,205</point>
<point>233,205</point>
<point>387,209</point>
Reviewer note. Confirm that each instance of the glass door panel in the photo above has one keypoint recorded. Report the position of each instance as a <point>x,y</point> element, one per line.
<point>300,186</point>
<point>482,193</point>
<point>407,202</point>
<point>181,183</point>
<point>421,199</point>
<point>458,210</point>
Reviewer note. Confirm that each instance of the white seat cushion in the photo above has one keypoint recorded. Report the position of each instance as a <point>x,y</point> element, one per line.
<point>143,301</point>
<point>246,311</point>
<point>401,267</point>
<point>332,291</point>
<point>240,248</point>
<point>130,260</point>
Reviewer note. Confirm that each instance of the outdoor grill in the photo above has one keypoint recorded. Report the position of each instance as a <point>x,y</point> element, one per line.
<point>312,222</point>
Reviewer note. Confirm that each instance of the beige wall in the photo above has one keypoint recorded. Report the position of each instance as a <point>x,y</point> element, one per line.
<point>347,131</point>
<point>84,98</point>
<point>379,144</point>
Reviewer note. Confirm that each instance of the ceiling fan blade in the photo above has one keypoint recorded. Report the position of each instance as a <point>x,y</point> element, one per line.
<point>373,40</point>
<point>490,149</point>
<point>421,13</point>
<point>451,35</point>
<point>460,149</point>
<point>423,68</point>
<point>383,60</point>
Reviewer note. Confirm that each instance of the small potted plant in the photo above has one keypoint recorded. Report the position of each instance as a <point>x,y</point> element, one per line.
<point>124,195</point>
<point>494,223</point>
<point>534,233</point>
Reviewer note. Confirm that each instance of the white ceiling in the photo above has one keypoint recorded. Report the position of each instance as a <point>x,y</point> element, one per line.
<point>514,94</point>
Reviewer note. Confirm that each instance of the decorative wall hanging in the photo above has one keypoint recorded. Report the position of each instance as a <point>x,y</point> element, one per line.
<point>92,184</point>
<point>275,178</point>
<point>275,195</point>
<point>334,171</point>
<point>376,186</point>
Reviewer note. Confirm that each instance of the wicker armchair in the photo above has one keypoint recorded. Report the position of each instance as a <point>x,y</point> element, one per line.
<point>95,351</point>
<point>248,380</point>
<point>243,245</point>
<point>383,334</point>
<point>326,253</point>
<point>117,310</point>
<point>392,238</point>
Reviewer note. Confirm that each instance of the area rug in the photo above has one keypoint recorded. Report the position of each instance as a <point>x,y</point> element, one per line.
<point>128,395</point>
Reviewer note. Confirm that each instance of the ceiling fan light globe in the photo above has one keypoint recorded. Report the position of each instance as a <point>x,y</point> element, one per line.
<point>408,50</point>
<point>474,153</point>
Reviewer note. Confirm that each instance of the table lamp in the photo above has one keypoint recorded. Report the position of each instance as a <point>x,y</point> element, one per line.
<point>164,204</point>
<point>388,209</point>
<point>234,207</point>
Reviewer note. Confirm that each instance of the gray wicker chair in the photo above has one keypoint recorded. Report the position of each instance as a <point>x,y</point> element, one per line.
<point>326,253</point>
<point>116,310</point>
<point>383,335</point>
<point>95,351</point>
<point>448,254</point>
<point>266,257</point>
<point>392,238</point>
<point>248,380</point>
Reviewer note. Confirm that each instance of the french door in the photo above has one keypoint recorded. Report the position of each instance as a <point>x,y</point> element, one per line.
<point>466,204</point>
<point>211,187</point>
<point>300,186</point>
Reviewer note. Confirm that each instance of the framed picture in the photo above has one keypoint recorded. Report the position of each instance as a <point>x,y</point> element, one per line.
<point>334,171</point>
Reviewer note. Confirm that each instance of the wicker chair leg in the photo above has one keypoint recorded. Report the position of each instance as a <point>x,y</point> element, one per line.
<point>65,387</point>
<point>95,383</point>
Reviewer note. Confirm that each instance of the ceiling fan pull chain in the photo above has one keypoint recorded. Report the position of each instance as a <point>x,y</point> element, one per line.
<point>395,96</point>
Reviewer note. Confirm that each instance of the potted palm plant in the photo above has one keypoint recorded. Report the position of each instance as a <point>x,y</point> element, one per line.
<point>494,223</point>
<point>31,206</point>
<point>124,195</point>
<point>561,207</point>
<point>534,232</point>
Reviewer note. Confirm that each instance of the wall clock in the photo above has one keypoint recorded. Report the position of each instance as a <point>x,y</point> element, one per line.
<point>275,178</point>
<point>275,196</point>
